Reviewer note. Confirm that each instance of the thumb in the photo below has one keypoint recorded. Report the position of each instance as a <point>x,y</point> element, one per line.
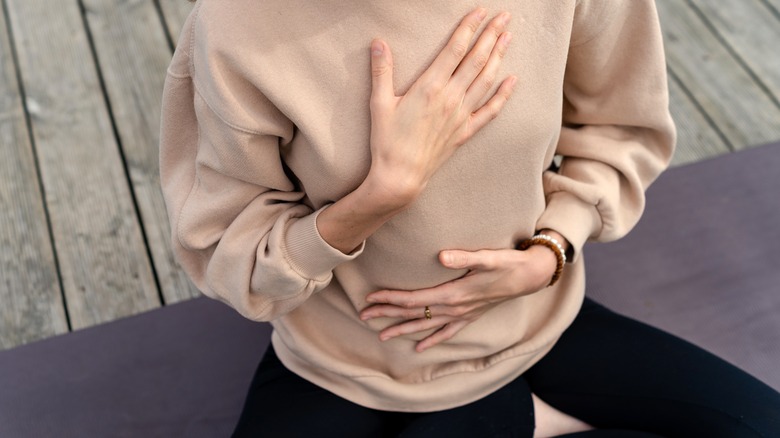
<point>457,259</point>
<point>381,71</point>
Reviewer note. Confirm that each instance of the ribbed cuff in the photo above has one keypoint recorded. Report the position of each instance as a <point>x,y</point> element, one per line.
<point>573,218</point>
<point>308,253</point>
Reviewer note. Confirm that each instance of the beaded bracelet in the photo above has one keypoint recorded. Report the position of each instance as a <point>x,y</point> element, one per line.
<point>549,242</point>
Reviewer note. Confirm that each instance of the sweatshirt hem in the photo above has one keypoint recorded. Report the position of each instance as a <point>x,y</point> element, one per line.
<point>440,393</point>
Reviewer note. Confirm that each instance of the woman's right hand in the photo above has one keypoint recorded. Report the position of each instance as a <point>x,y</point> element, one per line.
<point>414,134</point>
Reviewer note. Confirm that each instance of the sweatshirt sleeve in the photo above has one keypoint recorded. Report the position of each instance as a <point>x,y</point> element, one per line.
<point>617,134</point>
<point>239,227</point>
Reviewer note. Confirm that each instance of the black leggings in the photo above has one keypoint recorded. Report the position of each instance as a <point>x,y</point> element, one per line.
<point>624,377</point>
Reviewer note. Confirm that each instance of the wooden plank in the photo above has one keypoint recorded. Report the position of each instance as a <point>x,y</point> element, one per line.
<point>741,109</point>
<point>133,55</point>
<point>174,14</point>
<point>774,6</point>
<point>696,138</point>
<point>752,31</point>
<point>32,305</point>
<point>103,261</point>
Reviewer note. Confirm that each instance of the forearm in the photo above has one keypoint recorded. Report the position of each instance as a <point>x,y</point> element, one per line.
<point>355,217</point>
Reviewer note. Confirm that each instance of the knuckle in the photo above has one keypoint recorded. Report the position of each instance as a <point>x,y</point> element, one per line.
<point>497,29</point>
<point>452,104</point>
<point>379,70</point>
<point>460,310</point>
<point>487,82</point>
<point>462,119</point>
<point>473,25</point>
<point>507,93</point>
<point>502,94</point>
<point>448,311</point>
<point>450,300</point>
<point>431,90</point>
<point>501,52</point>
<point>505,97</point>
<point>480,60</point>
<point>459,49</point>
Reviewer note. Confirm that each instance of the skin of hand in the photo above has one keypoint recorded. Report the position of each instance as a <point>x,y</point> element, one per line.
<point>414,134</point>
<point>494,276</point>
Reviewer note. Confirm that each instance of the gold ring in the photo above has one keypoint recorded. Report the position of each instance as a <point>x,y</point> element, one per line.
<point>428,313</point>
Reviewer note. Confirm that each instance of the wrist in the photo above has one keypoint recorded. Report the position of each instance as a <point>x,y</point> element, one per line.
<point>546,264</point>
<point>389,192</point>
<point>565,245</point>
<point>551,246</point>
<point>352,219</point>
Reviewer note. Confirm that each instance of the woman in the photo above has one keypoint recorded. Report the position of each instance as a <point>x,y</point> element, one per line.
<point>399,219</point>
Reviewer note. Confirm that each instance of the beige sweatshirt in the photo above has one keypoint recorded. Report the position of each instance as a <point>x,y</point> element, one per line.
<point>266,123</point>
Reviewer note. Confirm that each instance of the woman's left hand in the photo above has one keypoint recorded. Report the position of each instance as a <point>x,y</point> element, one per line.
<point>494,276</point>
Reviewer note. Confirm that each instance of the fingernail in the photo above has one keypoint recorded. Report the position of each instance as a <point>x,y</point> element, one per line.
<point>482,13</point>
<point>505,17</point>
<point>377,48</point>
<point>447,258</point>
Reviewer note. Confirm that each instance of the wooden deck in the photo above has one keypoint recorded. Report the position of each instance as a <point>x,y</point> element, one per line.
<point>83,231</point>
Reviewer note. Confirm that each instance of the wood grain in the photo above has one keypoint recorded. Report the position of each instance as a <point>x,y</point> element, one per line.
<point>740,108</point>
<point>103,262</point>
<point>752,31</point>
<point>773,5</point>
<point>32,306</point>
<point>696,138</point>
<point>134,73</point>
<point>175,12</point>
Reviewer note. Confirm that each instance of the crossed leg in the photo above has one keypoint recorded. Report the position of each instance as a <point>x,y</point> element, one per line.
<point>617,373</point>
<point>622,377</point>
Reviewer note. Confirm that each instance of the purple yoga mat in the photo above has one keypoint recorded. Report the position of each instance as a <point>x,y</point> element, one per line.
<point>178,371</point>
<point>704,261</point>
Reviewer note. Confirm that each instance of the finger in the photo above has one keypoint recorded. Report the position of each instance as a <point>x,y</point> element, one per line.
<point>413,326</point>
<point>457,47</point>
<point>444,334</point>
<point>492,107</point>
<point>440,294</point>
<point>483,54</point>
<point>482,260</point>
<point>483,83</point>
<point>381,72</point>
<point>391,311</point>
